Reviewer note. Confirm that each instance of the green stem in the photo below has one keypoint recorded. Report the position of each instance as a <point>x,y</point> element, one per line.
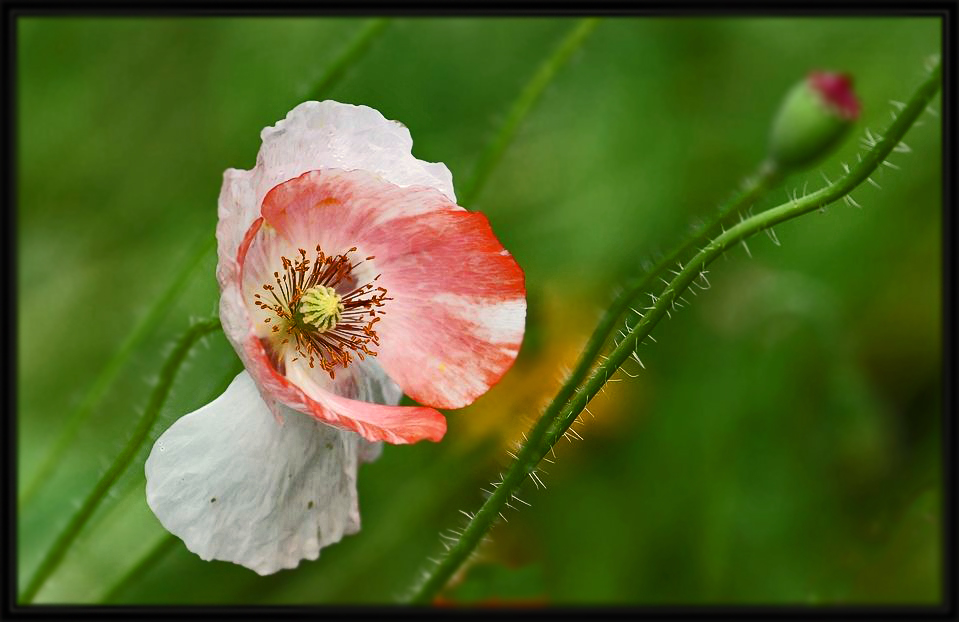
<point>737,235</point>
<point>752,191</point>
<point>331,76</point>
<point>149,416</point>
<point>155,555</point>
<point>533,451</point>
<point>523,105</point>
<point>754,188</point>
<point>145,326</point>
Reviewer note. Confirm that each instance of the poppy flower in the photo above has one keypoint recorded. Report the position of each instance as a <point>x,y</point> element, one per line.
<point>348,276</point>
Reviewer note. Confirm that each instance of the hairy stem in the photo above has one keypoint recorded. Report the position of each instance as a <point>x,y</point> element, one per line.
<point>149,416</point>
<point>157,553</point>
<point>554,427</point>
<point>523,105</point>
<point>106,377</point>
<point>755,187</point>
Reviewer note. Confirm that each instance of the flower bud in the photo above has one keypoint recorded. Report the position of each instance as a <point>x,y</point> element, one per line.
<point>812,120</point>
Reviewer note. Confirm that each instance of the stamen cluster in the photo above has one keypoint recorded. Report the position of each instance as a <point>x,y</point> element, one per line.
<point>334,342</point>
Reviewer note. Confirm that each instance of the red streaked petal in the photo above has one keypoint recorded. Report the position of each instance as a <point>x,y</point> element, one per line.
<point>457,317</point>
<point>311,391</point>
<point>374,422</point>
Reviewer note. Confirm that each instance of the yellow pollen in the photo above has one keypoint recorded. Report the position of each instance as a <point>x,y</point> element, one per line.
<point>321,307</point>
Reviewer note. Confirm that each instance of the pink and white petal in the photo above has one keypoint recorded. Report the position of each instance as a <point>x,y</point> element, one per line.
<point>457,315</point>
<point>367,382</point>
<point>374,422</point>
<point>235,301</point>
<point>318,135</point>
<point>238,326</point>
<point>300,390</point>
<point>363,380</point>
<point>339,209</point>
<point>341,403</point>
<point>237,485</point>
<point>237,209</point>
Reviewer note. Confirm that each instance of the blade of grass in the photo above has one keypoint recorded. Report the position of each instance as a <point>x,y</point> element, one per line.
<point>523,105</point>
<point>356,48</point>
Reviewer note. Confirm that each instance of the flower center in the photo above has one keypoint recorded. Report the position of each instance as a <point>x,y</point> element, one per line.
<point>323,326</point>
<point>321,307</point>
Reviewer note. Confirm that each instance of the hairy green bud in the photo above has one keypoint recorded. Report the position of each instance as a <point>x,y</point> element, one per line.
<point>812,120</point>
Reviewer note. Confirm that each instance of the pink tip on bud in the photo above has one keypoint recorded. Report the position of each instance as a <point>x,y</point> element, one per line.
<point>836,91</point>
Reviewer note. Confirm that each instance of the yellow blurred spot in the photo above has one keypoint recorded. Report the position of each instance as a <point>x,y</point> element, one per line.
<point>510,408</point>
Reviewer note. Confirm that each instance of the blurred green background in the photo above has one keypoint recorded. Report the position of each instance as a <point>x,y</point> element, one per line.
<point>782,445</point>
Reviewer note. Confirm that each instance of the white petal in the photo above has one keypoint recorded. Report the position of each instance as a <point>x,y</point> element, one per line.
<point>237,485</point>
<point>329,134</point>
<point>321,135</point>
